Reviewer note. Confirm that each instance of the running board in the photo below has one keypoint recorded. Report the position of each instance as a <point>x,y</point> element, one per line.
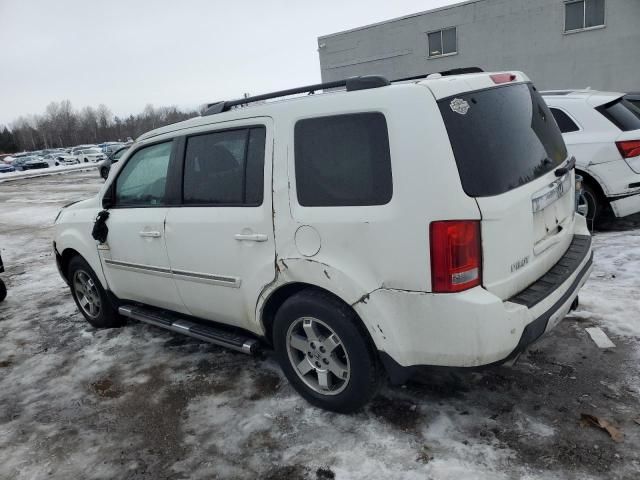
<point>207,333</point>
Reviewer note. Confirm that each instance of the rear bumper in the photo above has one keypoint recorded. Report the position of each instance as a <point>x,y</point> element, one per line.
<point>473,328</point>
<point>625,206</point>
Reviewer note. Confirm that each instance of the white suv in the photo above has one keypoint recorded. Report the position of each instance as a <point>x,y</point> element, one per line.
<point>423,222</point>
<point>602,131</point>
<point>93,155</point>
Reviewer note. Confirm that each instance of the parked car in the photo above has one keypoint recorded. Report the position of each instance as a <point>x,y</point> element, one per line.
<point>20,162</point>
<point>67,159</point>
<point>105,166</point>
<point>90,155</point>
<point>602,131</point>
<point>6,168</point>
<point>424,222</point>
<point>34,163</point>
<point>76,150</point>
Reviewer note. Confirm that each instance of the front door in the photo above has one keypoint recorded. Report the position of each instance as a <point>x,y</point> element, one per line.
<point>134,258</point>
<point>220,240</point>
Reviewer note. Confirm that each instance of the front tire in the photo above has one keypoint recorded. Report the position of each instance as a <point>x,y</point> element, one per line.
<point>3,291</point>
<point>90,297</point>
<point>104,173</point>
<point>325,352</point>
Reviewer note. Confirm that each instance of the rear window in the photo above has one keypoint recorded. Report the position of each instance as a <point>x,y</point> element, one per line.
<point>622,113</point>
<point>564,122</point>
<point>343,160</point>
<point>502,138</point>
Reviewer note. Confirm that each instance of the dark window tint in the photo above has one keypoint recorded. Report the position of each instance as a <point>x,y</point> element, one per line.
<point>225,168</point>
<point>502,138</point>
<point>564,122</point>
<point>622,113</point>
<point>142,180</point>
<point>343,160</point>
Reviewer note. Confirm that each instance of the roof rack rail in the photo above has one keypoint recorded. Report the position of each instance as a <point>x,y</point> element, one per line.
<point>351,84</point>
<point>445,73</point>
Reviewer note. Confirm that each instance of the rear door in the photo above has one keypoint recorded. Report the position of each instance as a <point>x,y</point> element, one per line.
<point>508,148</point>
<point>220,239</point>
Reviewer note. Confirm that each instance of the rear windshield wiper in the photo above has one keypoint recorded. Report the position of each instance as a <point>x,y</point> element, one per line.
<point>567,168</point>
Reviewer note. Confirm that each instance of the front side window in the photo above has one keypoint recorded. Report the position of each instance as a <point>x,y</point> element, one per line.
<point>225,168</point>
<point>343,160</point>
<point>582,14</point>
<point>564,121</point>
<point>442,42</point>
<point>143,179</point>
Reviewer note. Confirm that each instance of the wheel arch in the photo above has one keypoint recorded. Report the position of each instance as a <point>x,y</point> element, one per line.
<point>591,180</point>
<point>278,296</point>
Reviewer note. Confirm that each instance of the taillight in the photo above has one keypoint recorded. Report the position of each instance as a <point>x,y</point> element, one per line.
<point>629,148</point>
<point>455,255</point>
<point>499,78</point>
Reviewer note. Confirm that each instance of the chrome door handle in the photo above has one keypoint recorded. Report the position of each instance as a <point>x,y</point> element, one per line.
<point>251,237</point>
<point>149,234</point>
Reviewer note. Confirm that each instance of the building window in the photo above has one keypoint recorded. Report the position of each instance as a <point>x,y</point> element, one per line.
<point>583,14</point>
<point>443,42</point>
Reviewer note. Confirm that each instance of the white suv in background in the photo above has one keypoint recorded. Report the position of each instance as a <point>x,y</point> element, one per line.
<point>93,155</point>
<point>602,131</point>
<point>425,221</point>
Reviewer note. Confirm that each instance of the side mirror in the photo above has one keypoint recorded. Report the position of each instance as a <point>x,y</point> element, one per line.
<point>108,199</point>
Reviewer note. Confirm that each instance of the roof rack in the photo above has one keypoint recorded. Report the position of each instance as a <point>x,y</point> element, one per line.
<point>446,73</point>
<point>351,84</point>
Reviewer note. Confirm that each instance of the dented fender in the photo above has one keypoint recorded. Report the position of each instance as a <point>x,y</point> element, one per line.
<point>321,275</point>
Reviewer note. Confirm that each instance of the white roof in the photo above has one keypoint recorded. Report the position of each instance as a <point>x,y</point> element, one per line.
<point>593,97</point>
<point>440,86</point>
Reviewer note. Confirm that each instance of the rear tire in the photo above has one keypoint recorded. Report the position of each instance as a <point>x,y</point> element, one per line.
<point>3,291</point>
<point>90,297</point>
<point>325,352</point>
<point>590,205</point>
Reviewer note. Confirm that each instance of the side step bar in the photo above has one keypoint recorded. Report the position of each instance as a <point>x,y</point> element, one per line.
<point>207,333</point>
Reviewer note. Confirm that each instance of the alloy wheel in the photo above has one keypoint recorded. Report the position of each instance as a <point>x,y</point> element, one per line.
<point>318,356</point>
<point>87,294</point>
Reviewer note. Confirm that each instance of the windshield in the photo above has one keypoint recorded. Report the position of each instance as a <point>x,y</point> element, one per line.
<point>502,138</point>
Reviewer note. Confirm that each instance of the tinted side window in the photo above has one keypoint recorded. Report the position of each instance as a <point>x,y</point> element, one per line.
<point>225,168</point>
<point>142,180</point>
<point>622,113</point>
<point>343,160</point>
<point>564,122</point>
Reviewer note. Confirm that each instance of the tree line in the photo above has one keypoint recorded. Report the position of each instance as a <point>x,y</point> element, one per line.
<point>62,126</point>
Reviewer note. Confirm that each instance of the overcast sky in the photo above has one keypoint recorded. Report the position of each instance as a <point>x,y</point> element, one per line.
<point>127,54</point>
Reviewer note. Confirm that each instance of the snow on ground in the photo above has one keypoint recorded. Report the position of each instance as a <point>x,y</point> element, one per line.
<point>40,172</point>
<point>140,402</point>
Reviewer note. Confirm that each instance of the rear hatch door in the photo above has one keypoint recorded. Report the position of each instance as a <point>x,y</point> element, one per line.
<point>512,159</point>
